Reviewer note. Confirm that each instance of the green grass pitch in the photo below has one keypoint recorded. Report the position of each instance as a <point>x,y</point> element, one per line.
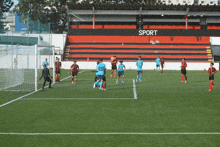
<point>163,105</point>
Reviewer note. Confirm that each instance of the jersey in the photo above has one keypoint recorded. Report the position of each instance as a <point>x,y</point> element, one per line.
<point>162,62</point>
<point>57,66</point>
<point>75,68</point>
<point>158,61</point>
<point>121,67</point>
<point>45,63</point>
<point>140,63</point>
<point>183,65</point>
<point>114,61</point>
<point>211,70</point>
<point>97,70</point>
<point>45,73</point>
<point>101,69</point>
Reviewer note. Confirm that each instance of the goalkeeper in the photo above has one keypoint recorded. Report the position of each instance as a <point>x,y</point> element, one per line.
<point>46,75</point>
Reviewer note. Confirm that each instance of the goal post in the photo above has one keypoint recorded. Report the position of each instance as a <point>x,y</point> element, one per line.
<point>38,61</point>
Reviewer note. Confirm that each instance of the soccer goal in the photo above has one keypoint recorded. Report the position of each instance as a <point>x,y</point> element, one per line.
<point>21,67</point>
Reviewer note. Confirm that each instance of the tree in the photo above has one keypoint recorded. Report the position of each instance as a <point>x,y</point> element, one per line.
<point>51,11</point>
<point>5,6</point>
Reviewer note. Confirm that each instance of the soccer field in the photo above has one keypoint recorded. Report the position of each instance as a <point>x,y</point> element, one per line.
<point>165,113</point>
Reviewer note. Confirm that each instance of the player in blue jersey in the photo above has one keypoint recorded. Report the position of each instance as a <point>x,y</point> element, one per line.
<point>46,63</point>
<point>139,68</point>
<point>100,74</point>
<point>158,63</point>
<point>121,70</point>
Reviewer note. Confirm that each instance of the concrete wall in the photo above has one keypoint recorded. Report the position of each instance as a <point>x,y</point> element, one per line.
<point>146,65</point>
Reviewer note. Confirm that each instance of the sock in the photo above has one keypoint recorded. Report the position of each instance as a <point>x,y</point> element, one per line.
<point>117,80</point>
<point>114,74</point>
<point>72,79</point>
<point>185,77</point>
<point>111,73</point>
<point>96,82</point>
<point>161,70</point>
<point>210,85</point>
<point>181,78</point>
<point>56,79</point>
<point>140,77</point>
<point>75,80</point>
<point>122,80</point>
<point>137,78</point>
<point>100,84</point>
<point>105,85</point>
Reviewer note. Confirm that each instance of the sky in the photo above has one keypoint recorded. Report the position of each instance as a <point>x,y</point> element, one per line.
<point>15,3</point>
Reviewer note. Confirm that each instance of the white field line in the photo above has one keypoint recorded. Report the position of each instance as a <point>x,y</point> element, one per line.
<point>76,98</point>
<point>117,133</point>
<point>32,92</point>
<point>134,90</point>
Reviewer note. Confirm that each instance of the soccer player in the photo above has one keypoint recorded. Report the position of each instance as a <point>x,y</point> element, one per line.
<point>211,72</point>
<point>162,64</point>
<point>121,70</point>
<point>114,67</point>
<point>183,70</point>
<point>75,71</point>
<point>104,82</point>
<point>96,75</point>
<point>46,75</point>
<point>45,62</point>
<point>158,63</point>
<point>139,68</point>
<point>57,70</point>
<point>101,72</point>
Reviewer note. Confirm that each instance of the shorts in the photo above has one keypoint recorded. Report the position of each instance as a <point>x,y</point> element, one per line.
<point>120,73</point>
<point>157,65</point>
<point>104,78</point>
<point>114,67</point>
<point>100,77</point>
<point>183,71</point>
<point>47,79</point>
<point>139,71</point>
<point>161,65</point>
<point>74,73</point>
<point>57,72</point>
<point>211,77</point>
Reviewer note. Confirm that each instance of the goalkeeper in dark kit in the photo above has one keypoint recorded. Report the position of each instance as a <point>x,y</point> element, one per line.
<point>46,75</point>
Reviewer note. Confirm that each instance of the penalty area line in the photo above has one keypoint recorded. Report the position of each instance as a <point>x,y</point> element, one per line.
<point>117,133</point>
<point>33,92</point>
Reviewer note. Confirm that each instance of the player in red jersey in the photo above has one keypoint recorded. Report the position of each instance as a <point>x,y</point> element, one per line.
<point>162,64</point>
<point>183,70</point>
<point>211,72</point>
<point>75,70</point>
<point>114,66</point>
<point>57,70</point>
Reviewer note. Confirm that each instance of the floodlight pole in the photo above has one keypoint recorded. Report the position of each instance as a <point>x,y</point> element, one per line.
<point>187,18</point>
<point>93,17</point>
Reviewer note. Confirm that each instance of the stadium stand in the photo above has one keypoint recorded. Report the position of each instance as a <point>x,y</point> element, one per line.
<point>128,48</point>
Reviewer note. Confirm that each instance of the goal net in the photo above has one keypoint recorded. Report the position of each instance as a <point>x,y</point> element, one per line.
<point>21,67</point>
